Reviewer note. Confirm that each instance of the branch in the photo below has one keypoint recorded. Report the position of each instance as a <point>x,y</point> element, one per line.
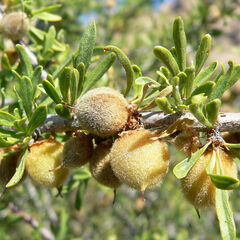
<point>228,122</point>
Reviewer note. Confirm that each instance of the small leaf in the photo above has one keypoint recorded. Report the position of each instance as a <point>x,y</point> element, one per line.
<point>45,9</point>
<point>125,62</point>
<point>232,145</point>
<point>166,57</point>
<point>81,70</point>
<point>207,74</point>
<point>86,45</point>
<point>176,94</point>
<point>93,76</point>
<point>81,174</point>
<point>5,62</point>
<point>63,111</point>
<point>212,109</point>
<point>190,72</point>
<point>6,119</point>
<point>182,82</point>
<point>45,16</point>
<point>19,171</point>
<point>48,39</point>
<point>181,169</point>
<point>144,80</point>
<point>37,119</point>
<point>162,78</point>
<point>36,77</point>
<point>74,85</point>
<point>224,182</point>
<point>164,104</point>
<point>5,143</point>
<point>81,194</point>
<point>64,83</point>
<point>25,61</point>
<point>203,52</point>
<point>180,42</point>
<point>51,91</point>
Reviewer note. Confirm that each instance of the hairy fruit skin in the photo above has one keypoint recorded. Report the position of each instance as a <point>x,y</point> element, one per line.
<point>77,151</point>
<point>14,25</point>
<point>138,160</point>
<point>102,111</point>
<point>101,169</point>
<point>197,186</point>
<point>43,157</point>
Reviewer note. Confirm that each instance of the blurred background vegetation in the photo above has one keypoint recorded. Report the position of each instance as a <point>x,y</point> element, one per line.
<point>135,26</point>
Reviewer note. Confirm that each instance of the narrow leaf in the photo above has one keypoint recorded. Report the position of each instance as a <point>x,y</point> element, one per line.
<point>212,109</point>
<point>224,182</point>
<point>5,143</point>
<point>36,77</point>
<point>181,169</point>
<point>45,16</point>
<point>62,111</point>
<point>80,194</point>
<point>164,105</point>
<point>6,118</point>
<point>190,72</point>
<point>74,85</point>
<point>81,70</point>
<point>51,91</point>
<point>64,83</point>
<point>48,39</point>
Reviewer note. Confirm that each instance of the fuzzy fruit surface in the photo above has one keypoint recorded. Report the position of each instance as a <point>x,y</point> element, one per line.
<point>44,156</point>
<point>77,151</point>
<point>197,186</point>
<point>101,169</point>
<point>14,25</point>
<point>102,111</point>
<point>138,160</point>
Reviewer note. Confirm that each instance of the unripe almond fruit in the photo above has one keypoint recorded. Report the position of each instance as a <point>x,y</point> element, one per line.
<point>197,186</point>
<point>102,111</point>
<point>44,156</point>
<point>101,169</point>
<point>77,151</point>
<point>139,160</point>
<point>14,25</point>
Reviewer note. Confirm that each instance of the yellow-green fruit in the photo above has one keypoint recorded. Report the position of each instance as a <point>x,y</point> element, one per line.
<point>43,157</point>
<point>14,25</point>
<point>139,160</point>
<point>101,169</point>
<point>77,151</point>
<point>197,186</point>
<point>102,111</point>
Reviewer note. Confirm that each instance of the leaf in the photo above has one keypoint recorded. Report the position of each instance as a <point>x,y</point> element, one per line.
<point>180,42</point>
<point>164,105</point>
<point>46,9</point>
<point>25,93</point>
<point>37,119</point>
<point>166,57</point>
<point>81,194</point>
<point>74,85</point>
<point>190,72</point>
<point>81,174</point>
<point>36,77</point>
<point>48,39</point>
<point>81,70</point>
<point>51,91</point>
<point>212,109</point>
<point>25,61</point>
<point>19,171</point>
<point>6,119</point>
<point>207,74</point>
<point>205,88</point>
<point>45,16</point>
<point>5,62</point>
<point>176,94</point>
<point>63,111</point>
<point>224,182</point>
<point>181,169</point>
<point>203,52</point>
<point>232,145</point>
<point>144,80</point>
<point>125,62</point>
<point>182,82</point>
<point>226,81</point>
<point>5,143</point>
<point>92,77</point>
<point>86,45</point>
<point>64,83</point>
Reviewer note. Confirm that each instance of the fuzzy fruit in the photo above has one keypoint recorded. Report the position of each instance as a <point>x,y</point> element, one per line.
<point>14,25</point>
<point>139,160</point>
<point>101,169</point>
<point>44,156</point>
<point>102,111</point>
<point>77,151</point>
<point>197,186</point>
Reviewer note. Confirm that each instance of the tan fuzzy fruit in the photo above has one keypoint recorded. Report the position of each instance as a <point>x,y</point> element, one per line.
<point>77,151</point>
<point>102,111</point>
<point>101,169</point>
<point>139,160</point>
<point>197,186</point>
<point>43,157</point>
<point>14,25</point>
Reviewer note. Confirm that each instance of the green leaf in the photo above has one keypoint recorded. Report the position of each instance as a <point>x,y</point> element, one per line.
<point>212,109</point>
<point>205,88</point>
<point>207,74</point>
<point>164,104</point>
<point>25,61</point>
<point>180,42</point>
<point>81,194</point>
<point>125,62</point>
<point>86,45</point>
<point>224,182</point>
<point>81,70</point>
<point>74,85</point>
<point>203,52</point>
<point>226,81</point>
<point>144,80</point>
<point>51,91</point>
<point>36,77</point>
<point>181,169</point>
<point>19,171</point>
<point>176,94</point>
<point>37,119</point>
<point>46,9</point>
<point>45,16</point>
<point>232,145</point>
<point>48,39</point>
<point>92,77</point>
<point>63,111</point>
<point>81,174</point>
<point>5,143</point>
<point>6,119</point>
<point>190,72</point>
<point>64,83</point>
<point>25,92</point>
<point>5,62</point>
<point>182,82</point>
